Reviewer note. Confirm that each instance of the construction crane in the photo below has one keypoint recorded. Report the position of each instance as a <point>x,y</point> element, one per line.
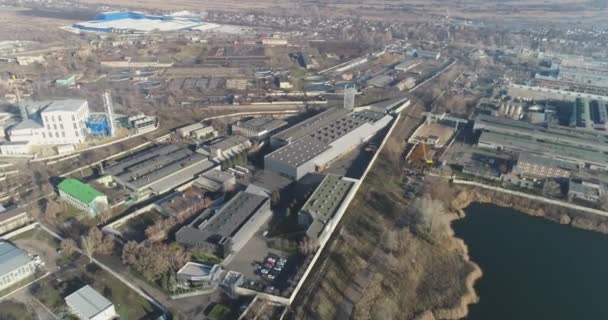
<point>427,160</point>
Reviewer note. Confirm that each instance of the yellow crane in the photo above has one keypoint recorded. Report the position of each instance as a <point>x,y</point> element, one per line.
<point>427,160</point>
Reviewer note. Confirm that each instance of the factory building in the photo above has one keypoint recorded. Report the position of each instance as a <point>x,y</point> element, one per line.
<point>226,147</point>
<point>15,264</point>
<point>582,148</point>
<point>230,228</point>
<point>258,128</point>
<point>536,166</point>
<point>318,213</point>
<point>407,65</point>
<point>53,122</point>
<point>314,144</point>
<point>157,170</point>
<point>82,196</point>
<point>12,217</point>
<point>216,181</point>
<point>142,123</point>
<point>185,131</point>
<point>88,304</point>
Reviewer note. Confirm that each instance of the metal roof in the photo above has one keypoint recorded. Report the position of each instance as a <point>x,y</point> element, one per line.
<point>324,133</point>
<point>65,105</point>
<point>225,222</point>
<point>12,258</point>
<point>311,124</point>
<point>87,302</point>
<point>160,167</point>
<point>325,201</point>
<point>81,191</point>
<point>261,124</point>
<point>27,124</point>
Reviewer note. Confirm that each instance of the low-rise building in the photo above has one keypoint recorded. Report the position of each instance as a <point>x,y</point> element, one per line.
<point>15,148</point>
<point>12,217</point>
<point>15,264</point>
<point>157,170</point>
<point>258,128</point>
<point>227,147</point>
<point>407,65</point>
<point>216,181</point>
<point>185,131</point>
<point>585,190</point>
<point>536,166</point>
<point>320,210</point>
<point>142,123</point>
<point>83,196</point>
<point>202,133</point>
<point>194,274</point>
<point>230,228</point>
<point>88,304</point>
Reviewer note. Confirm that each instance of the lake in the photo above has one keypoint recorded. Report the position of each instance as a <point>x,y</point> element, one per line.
<point>534,268</point>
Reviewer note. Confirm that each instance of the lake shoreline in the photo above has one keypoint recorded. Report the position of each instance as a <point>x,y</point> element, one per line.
<point>464,197</point>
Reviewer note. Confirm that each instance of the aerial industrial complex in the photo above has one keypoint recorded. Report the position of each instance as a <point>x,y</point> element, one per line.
<point>313,144</point>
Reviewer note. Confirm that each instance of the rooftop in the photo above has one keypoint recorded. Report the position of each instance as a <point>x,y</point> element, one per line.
<point>11,257</point>
<point>262,124</point>
<point>27,124</point>
<point>65,105</point>
<point>87,302</point>
<point>226,221</point>
<point>325,202</point>
<point>311,124</point>
<point>81,191</point>
<point>151,167</point>
<point>318,140</point>
<point>559,151</point>
<point>228,143</point>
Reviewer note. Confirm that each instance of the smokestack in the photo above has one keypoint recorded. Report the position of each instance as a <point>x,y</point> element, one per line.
<point>349,97</point>
<point>107,101</point>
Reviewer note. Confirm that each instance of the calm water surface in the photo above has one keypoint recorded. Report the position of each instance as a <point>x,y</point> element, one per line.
<point>533,268</point>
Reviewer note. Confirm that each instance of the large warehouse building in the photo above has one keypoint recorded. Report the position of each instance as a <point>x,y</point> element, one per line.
<point>230,228</point>
<point>583,148</point>
<point>157,170</point>
<point>314,144</point>
<point>318,213</point>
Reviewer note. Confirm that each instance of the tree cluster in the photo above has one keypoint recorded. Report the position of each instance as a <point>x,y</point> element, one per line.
<point>96,242</point>
<point>159,231</point>
<point>154,261</point>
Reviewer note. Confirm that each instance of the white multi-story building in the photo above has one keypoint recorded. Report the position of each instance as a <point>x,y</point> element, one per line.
<point>59,122</point>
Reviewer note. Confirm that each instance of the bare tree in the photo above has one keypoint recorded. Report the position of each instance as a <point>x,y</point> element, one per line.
<point>68,246</point>
<point>552,188</point>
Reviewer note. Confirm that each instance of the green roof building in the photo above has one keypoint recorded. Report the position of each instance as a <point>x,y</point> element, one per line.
<point>82,196</point>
